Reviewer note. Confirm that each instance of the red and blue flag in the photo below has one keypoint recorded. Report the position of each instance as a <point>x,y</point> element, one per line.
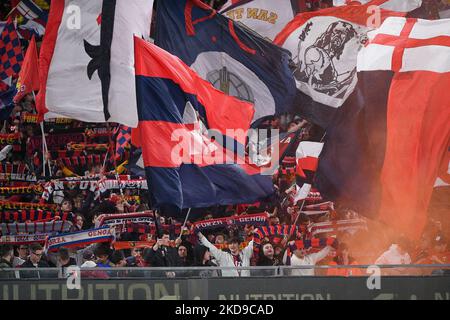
<point>234,59</point>
<point>173,103</point>
<point>11,55</point>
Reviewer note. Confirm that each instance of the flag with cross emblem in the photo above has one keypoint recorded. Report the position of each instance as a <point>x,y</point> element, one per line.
<point>384,149</point>
<point>324,46</point>
<point>11,55</point>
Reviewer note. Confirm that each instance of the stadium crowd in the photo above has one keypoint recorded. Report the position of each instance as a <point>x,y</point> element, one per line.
<point>316,239</point>
<point>83,172</point>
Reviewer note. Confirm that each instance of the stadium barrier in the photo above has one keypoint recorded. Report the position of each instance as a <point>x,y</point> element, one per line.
<point>162,283</point>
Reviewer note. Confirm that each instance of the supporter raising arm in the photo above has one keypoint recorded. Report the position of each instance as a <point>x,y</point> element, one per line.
<point>234,258</point>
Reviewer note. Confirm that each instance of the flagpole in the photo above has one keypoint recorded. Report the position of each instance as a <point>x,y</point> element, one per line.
<point>45,146</point>
<point>43,149</point>
<point>158,234</point>
<point>104,162</point>
<point>44,143</point>
<point>184,223</point>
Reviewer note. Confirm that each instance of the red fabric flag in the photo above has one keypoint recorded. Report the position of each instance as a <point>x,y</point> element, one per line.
<point>29,74</point>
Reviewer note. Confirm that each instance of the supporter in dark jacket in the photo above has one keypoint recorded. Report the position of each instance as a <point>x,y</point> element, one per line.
<point>162,255</point>
<point>267,258</point>
<point>65,260</point>
<point>6,257</point>
<point>203,259</point>
<point>34,261</point>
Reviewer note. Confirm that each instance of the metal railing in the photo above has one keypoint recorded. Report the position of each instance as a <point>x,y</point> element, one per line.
<point>210,272</point>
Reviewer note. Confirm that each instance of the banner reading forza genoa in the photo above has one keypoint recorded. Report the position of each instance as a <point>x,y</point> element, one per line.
<point>279,288</point>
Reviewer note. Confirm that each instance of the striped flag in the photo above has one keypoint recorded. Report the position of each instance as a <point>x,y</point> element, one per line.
<point>307,155</point>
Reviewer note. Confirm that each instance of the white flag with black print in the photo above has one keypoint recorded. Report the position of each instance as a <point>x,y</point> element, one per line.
<point>87,59</point>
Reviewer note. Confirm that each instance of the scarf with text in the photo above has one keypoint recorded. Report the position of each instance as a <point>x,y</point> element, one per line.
<point>16,172</point>
<point>54,141</point>
<point>11,139</point>
<point>79,239</point>
<point>151,228</point>
<point>30,118</point>
<point>35,215</point>
<point>88,146</point>
<point>121,219</point>
<point>19,239</point>
<point>257,219</point>
<point>333,227</point>
<point>36,227</point>
<point>30,189</point>
<point>96,186</point>
<point>10,205</point>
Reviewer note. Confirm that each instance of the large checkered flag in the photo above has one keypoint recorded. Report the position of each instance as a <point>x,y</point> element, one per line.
<point>11,55</point>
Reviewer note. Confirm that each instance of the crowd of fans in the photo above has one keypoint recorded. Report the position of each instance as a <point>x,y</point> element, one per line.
<point>93,152</point>
<point>228,246</point>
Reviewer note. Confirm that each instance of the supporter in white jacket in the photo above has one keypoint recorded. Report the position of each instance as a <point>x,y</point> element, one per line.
<point>396,254</point>
<point>301,258</point>
<point>234,258</point>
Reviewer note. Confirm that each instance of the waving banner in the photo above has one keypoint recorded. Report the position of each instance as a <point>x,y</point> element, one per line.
<point>324,46</point>
<point>234,59</point>
<point>87,70</point>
